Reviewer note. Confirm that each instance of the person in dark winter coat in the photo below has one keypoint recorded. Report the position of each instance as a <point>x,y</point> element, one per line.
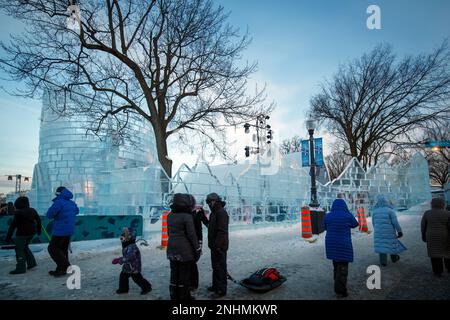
<point>199,218</point>
<point>131,264</point>
<point>218,243</point>
<point>435,227</point>
<point>183,249</point>
<point>338,243</point>
<point>387,231</point>
<point>27,223</point>
<point>63,212</point>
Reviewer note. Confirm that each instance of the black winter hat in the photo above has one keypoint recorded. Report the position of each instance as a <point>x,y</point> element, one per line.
<point>437,203</point>
<point>213,197</point>
<point>181,202</point>
<point>22,203</point>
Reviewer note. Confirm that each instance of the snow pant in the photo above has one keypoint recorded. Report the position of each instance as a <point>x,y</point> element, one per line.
<point>340,272</point>
<point>219,266</point>
<point>438,265</point>
<point>194,276</point>
<point>180,280</point>
<point>24,256</point>
<point>59,252</point>
<point>137,278</point>
<point>384,258</point>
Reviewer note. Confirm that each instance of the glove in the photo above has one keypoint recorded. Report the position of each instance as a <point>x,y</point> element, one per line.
<point>400,234</point>
<point>116,261</point>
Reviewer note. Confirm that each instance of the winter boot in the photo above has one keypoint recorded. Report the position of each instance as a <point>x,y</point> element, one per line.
<point>118,291</point>
<point>21,266</point>
<point>173,289</point>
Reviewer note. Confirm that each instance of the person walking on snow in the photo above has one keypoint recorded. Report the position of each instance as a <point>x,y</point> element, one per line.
<point>183,249</point>
<point>338,243</point>
<point>63,212</point>
<point>387,231</point>
<point>131,264</point>
<point>218,243</point>
<point>435,227</point>
<point>28,223</point>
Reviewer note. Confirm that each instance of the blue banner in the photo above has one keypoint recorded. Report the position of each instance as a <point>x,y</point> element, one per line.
<point>305,153</point>
<point>318,152</point>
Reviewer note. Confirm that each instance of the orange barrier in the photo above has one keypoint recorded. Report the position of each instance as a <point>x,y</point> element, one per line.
<point>362,220</point>
<point>164,233</point>
<point>306,223</point>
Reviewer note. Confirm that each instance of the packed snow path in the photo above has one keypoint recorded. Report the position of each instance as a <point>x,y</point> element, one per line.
<point>308,272</point>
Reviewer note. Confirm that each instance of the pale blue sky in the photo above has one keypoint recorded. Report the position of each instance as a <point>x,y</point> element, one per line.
<point>296,43</point>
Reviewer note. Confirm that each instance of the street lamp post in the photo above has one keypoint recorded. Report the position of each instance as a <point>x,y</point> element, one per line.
<point>311,125</point>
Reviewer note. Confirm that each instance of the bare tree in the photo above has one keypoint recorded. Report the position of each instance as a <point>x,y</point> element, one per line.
<point>175,63</point>
<point>336,163</point>
<point>376,100</point>
<point>291,145</point>
<point>337,160</point>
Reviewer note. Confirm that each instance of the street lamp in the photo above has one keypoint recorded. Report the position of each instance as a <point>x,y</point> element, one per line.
<point>311,126</point>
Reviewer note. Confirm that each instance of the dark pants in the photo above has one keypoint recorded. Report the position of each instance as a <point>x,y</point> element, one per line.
<point>180,280</point>
<point>219,275</point>
<point>59,251</point>
<point>24,256</point>
<point>438,265</point>
<point>194,276</point>
<point>137,278</point>
<point>384,258</point>
<point>340,277</point>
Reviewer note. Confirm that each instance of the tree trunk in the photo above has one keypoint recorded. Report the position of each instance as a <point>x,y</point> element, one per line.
<point>166,163</point>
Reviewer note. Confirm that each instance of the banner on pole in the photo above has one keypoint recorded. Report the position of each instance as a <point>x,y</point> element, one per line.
<point>318,152</point>
<point>305,153</point>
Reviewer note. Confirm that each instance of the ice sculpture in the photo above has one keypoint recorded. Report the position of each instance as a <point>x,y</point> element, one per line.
<point>255,197</point>
<point>106,175</point>
<point>113,176</point>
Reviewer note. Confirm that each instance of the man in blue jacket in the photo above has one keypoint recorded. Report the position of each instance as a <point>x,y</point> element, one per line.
<point>338,243</point>
<point>63,212</point>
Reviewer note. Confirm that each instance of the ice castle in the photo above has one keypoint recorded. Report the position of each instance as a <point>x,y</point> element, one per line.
<point>110,176</point>
<point>107,175</point>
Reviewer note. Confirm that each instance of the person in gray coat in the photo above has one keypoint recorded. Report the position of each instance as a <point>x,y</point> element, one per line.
<point>435,227</point>
<point>387,230</point>
<point>183,249</point>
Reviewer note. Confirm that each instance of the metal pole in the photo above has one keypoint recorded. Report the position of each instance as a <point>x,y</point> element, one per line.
<point>314,203</point>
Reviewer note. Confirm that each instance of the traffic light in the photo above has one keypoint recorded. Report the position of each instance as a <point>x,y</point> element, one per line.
<point>247,152</point>
<point>247,128</point>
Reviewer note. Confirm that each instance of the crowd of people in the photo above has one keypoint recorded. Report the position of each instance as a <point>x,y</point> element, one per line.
<point>435,228</point>
<point>185,223</point>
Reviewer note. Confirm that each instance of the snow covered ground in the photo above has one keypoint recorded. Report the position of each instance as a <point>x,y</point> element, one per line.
<point>308,272</point>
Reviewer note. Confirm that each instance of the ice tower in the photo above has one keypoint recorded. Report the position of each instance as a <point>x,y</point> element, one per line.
<point>106,175</point>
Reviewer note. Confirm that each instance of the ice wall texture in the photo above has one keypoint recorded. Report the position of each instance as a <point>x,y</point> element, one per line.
<point>405,184</point>
<point>106,174</point>
<point>247,191</point>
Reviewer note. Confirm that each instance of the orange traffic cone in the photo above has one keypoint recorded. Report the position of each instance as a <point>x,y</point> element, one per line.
<point>362,220</point>
<point>164,233</point>
<point>306,223</point>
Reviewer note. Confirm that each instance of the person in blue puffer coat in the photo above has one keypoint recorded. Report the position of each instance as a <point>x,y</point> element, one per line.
<point>338,243</point>
<point>63,213</point>
<point>387,231</point>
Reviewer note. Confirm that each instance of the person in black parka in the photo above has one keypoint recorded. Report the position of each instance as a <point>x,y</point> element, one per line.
<point>183,248</point>
<point>218,243</point>
<point>28,223</point>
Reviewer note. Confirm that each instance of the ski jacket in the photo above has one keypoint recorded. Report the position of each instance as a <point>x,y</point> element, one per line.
<point>338,224</point>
